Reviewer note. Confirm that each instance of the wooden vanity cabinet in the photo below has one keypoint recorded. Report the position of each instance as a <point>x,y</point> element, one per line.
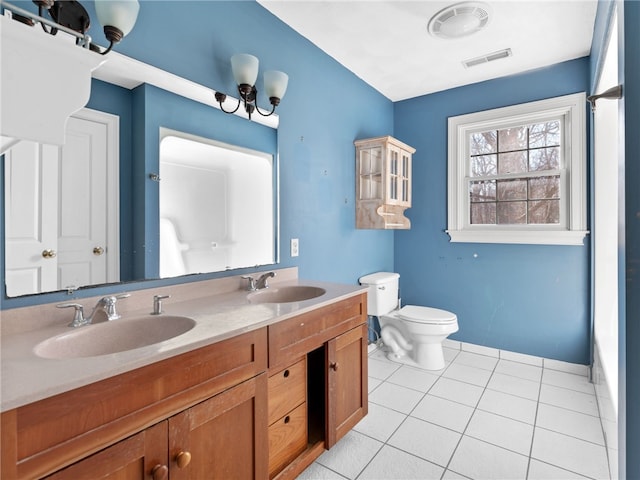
<point>211,401</point>
<point>216,439</point>
<point>333,342</point>
<point>264,404</point>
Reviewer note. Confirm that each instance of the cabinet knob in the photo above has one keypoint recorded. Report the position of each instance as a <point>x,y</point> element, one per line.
<point>183,459</point>
<point>98,251</point>
<point>48,253</point>
<point>333,366</point>
<point>159,472</point>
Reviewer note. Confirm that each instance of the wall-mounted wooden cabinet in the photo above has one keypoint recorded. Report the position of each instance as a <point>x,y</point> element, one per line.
<point>383,183</point>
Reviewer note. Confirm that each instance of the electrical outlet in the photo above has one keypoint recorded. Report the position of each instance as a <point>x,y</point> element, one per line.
<point>295,250</point>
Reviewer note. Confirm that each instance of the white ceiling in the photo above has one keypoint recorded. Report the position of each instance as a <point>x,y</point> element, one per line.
<point>386,42</point>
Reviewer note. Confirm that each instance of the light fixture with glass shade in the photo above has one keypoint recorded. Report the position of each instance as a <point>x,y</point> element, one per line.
<point>245,73</point>
<point>116,16</point>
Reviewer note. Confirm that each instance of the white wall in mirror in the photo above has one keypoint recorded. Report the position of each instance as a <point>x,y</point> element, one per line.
<point>216,206</point>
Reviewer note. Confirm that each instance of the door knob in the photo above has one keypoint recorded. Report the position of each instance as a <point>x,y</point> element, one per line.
<point>159,472</point>
<point>183,459</point>
<point>98,251</point>
<point>49,253</point>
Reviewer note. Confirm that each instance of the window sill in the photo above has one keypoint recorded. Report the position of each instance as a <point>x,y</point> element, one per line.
<point>550,237</point>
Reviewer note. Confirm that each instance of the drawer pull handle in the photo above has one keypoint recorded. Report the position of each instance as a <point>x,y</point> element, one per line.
<point>286,373</point>
<point>287,419</point>
<point>160,472</point>
<point>333,366</point>
<point>183,459</point>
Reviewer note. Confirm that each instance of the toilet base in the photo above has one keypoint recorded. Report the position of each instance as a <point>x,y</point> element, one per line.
<point>427,357</point>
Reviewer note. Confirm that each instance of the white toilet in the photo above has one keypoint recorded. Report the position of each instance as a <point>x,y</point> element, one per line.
<point>413,334</point>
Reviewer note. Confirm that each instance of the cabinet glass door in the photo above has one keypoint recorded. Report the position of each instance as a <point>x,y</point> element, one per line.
<point>370,173</point>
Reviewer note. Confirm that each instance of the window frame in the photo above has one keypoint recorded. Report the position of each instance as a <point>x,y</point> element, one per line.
<point>571,111</point>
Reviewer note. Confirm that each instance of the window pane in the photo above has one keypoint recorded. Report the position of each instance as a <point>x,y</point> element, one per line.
<point>511,139</point>
<point>512,190</point>
<point>483,213</point>
<point>483,142</point>
<point>544,211</point>
<point>484,165</point>
<point>482,191</point>
<point>512,213</point>
<point>515,162</point>
<point>544,159</point>
<point>544,134</point>
<point>544,187</point>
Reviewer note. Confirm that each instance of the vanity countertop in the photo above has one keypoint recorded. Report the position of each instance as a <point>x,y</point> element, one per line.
<point>27,377</point>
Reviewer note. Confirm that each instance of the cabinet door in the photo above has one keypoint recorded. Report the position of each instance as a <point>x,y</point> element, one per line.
<point>398,191</point>
<point>224,437</point>
<point>347,399</point>
<point>142,456</point>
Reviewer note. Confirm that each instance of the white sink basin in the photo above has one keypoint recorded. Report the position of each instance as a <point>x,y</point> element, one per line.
<point>294,293</point>
<point>115,336</point>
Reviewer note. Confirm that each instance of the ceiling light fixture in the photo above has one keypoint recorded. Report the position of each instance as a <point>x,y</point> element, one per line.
<point>117,16</point>
<point>460,20</point>
<point>245,73</point>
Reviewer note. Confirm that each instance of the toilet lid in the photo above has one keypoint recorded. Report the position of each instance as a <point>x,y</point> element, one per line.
<point>414,313</point>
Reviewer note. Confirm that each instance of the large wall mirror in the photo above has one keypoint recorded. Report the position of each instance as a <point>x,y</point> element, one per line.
<point>216,206</point>
<point>222,218</point>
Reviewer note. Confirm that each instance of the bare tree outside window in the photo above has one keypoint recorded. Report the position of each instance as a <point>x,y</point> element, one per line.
<point>514,175</point>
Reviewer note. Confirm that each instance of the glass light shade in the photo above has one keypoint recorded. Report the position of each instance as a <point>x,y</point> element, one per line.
<point>245,68</point>
<point>121,14</point>
<point>275,83</point>
<point>460,26</point>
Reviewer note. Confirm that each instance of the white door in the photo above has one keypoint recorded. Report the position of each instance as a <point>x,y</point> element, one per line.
<point>31,240</point>
<point>72,227</point>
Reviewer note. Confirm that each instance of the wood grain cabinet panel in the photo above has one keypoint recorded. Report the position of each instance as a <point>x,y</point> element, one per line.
<point>287,389</point>
<point>41,437</point>
<point>212,413</point>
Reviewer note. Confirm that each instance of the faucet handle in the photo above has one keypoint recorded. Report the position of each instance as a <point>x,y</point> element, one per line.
<point>157,303</point>
<point>78,316</point>
<point>252,282</point>
<point>123,295</point>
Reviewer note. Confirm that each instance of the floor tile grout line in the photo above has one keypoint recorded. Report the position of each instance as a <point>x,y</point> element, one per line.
<point>468,421</point>
<point>476,407</point>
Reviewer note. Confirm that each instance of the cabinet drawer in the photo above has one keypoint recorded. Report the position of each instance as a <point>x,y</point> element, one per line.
<point>287,439</point>
<point>292,338</point>
<point>287,389</point>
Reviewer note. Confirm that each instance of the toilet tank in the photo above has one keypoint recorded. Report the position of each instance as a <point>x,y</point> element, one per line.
<point>382,297</point>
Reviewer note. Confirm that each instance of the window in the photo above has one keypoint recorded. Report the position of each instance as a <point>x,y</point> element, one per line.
<point>518,174</point>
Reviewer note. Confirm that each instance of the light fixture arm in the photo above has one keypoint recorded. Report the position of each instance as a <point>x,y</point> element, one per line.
<point>83,40</point>
<point>248,95</point>
<point>614,93</point>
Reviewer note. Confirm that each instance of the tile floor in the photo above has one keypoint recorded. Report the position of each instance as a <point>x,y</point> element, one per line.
<point>480,417</point>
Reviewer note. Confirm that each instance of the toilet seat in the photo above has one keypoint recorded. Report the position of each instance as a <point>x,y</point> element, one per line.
<point>426,315</point>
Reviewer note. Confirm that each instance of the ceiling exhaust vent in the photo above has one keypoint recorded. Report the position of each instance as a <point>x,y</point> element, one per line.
<point>487,58</point>
<point>459,20</point>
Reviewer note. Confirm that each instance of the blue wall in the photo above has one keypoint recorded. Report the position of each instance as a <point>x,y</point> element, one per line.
<point>525,298</point>
<point>325,109</point>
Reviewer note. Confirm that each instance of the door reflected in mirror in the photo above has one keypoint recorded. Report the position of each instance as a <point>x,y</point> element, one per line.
<point>217,208</point>
<point>61,209</point>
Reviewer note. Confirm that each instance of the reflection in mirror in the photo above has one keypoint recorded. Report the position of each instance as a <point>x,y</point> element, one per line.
<point>217,209</point>
<point>61,209</point>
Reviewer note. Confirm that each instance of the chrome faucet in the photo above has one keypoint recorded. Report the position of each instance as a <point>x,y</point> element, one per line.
<point>258,283</point>
<point>262,280</point>
<point>107,304</point>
